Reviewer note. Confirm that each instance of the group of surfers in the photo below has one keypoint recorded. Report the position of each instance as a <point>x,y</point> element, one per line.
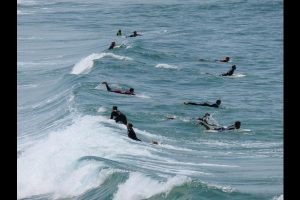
<point>119,117</point>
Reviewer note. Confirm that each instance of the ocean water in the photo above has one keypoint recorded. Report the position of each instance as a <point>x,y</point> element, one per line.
<point>68,148</point>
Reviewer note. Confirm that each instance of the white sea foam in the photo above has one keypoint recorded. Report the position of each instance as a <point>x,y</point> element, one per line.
<point>167,146</point>
<point>84,65</point>
<point>166,66</point>
<point>101,109</point>
<point>226,189</point>
<point>211,131</point>
<point>50,164</point>
<point>146,186</point>
<point>278,197</point>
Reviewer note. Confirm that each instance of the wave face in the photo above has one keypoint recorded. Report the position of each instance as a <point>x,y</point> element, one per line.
<point>68,148</point>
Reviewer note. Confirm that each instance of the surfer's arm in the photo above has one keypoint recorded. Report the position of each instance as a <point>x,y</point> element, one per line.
<point>205,125</point>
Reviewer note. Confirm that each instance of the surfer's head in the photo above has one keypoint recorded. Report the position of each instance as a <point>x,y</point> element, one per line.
<point>114,108</point>
<point>237,124</point>
<point>218,102</point>
<point>233,67</point>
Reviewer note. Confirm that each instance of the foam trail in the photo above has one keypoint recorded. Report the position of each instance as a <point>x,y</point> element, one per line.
<point>146,186</point>
<point>84,65</point>
<point>166,66</point>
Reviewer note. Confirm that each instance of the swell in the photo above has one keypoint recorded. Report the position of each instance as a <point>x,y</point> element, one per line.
<point>51,107</point>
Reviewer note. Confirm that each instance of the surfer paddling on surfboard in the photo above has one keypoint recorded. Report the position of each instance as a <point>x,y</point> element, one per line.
<point>234,126</point>
<point>128,92</point>
<point>132,135</point>
<point>216,105</point>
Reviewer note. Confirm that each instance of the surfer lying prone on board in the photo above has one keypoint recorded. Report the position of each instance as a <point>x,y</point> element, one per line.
<point>234,126</point>
<point>226,59</point>
<point>216,105</point>
<point>134,34</point>
<point>128,92</point>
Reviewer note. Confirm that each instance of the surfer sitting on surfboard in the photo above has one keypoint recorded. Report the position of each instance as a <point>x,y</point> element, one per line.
<point>216,105</point>
<point>119,33</point>
<point>128,92</point>
<point>230,72</point>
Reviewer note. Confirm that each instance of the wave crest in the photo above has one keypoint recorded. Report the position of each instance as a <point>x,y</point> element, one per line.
<point>84,65</point>
<point>146,186</point>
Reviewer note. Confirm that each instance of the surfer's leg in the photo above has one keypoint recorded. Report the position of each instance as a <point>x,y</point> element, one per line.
<point>107,87</point>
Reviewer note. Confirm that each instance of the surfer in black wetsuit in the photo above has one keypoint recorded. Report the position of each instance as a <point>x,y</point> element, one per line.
<point>230,72</point>
<point>113,44</point>
<point>131,133</point>
<point>118,116</point>
<point>216,105</point>
<point>234,126</point>
<point>204,118</point>
<point>128,92</point>
<point>119,33</point>
<point>134,34</point>
<point>226,59</point>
